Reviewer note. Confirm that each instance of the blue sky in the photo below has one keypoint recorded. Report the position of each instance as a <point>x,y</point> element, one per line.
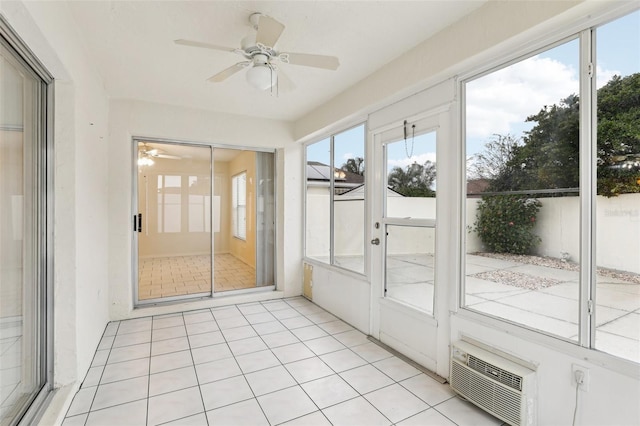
<point>501,101</point>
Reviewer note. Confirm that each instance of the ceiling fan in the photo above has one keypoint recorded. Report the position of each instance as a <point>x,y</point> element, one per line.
<point>146,155</point>
<point>260,53</point>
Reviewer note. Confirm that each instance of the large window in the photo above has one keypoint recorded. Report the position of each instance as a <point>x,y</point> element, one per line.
<point>532,257</point>
<point>239,205</point>
<point>335,209</point>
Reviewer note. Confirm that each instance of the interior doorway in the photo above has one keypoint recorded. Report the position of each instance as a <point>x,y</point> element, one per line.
<point>204,220</point>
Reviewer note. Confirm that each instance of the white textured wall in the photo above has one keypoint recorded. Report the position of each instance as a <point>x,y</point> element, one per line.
<point>612,398</point>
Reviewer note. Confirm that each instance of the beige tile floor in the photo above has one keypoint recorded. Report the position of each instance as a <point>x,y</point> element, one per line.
<point>271,363</point>
<point>183,275</point>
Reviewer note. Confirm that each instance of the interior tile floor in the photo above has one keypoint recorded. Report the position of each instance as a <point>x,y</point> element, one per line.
<point>160,277</point>
<point>11,359</point>
<point>278,362</point>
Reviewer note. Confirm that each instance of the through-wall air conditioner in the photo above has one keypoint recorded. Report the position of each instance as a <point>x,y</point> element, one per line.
<point>500,386</point>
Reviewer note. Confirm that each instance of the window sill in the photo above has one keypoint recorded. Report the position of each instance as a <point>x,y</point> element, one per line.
<point>601,359</point>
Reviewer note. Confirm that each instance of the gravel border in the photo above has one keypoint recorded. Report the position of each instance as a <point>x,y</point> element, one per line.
<point>552,262</point>
<point>516,279</point>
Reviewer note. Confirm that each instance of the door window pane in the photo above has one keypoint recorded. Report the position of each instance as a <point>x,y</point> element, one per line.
<point>523,205</point>
<point>199,204</point>
<point>410,260</point>
<point>174,201</point>
<point>618,185</point>
<point>265,219</point>
<point>411,177</point>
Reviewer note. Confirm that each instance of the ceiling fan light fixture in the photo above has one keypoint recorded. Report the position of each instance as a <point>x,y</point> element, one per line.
<point>145,160</point>
<point>262,77</point>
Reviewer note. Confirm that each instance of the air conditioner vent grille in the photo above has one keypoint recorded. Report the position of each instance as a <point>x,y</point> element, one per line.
<point>500,401</point>
<point>496,373</point>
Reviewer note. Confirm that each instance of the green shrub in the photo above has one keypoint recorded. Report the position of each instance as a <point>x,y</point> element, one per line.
<point>505,223</point>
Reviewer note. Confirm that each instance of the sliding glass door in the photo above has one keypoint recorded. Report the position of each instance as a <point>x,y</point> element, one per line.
<point>204,220</point>
<point>24,261</point>
<point>173,223</point>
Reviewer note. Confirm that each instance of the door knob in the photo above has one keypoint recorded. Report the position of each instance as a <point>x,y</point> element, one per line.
<point>375,241</point>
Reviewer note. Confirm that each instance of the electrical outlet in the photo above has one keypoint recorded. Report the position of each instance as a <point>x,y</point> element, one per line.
<point>580,375</point>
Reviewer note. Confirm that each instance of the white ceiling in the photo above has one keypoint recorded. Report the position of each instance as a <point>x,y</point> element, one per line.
<point>132,44</point>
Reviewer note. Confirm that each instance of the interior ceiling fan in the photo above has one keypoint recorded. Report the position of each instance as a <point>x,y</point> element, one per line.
<point>260,53</point>
<point>146,155</point>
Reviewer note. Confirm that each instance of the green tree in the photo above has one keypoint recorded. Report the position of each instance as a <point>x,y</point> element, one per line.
<point>354,165</point>
<point>414,181</point>
<point>495,161</point>
<point>619,136</point>
<point>549,156</point>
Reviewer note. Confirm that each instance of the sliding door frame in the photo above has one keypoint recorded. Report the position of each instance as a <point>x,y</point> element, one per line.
<point>44,212</point>
<point>137,303</point>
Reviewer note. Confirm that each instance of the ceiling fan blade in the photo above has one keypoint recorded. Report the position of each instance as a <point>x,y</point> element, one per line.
<point>269,31</point>
<point>307,60</point>
<point>285,84</point>
<point>224,74</point>
<point>167,156</point>
<point>205,45</point>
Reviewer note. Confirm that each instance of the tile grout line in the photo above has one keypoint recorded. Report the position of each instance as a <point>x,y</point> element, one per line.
<point>195,371</point>
<point>103,368</point>
<point>269,349</point>
<point>149,370</point>
<point>331,368</point>
<point>280,363</point>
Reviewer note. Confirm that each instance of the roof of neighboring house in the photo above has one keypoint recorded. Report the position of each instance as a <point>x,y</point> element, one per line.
<point>320,172</point>
<point>358,191</point>
<point>477,186</point>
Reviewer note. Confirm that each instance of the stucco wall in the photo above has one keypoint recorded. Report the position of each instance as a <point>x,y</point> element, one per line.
<point>558,226</point>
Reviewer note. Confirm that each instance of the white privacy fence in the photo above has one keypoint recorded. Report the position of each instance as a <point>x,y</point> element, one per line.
<point>558,222</point>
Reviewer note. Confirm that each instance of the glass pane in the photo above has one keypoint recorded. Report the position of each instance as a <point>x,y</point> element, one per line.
<point>411,177</point>
<point>199,204</point>
<point>22,324</point>
<point>618,201</point>
<point>317,234</point>
<point>235,259</point>
<point>523,208</point>
<point>410,260</point>
<point>265,222</point>
<point>349,199</point>
<point>174,196</point>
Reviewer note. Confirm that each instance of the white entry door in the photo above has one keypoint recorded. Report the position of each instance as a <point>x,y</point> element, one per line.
<point>408,300</point>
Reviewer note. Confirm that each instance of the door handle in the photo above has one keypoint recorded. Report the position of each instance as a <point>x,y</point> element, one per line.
<point>375,241</point>
<point>139,222</point>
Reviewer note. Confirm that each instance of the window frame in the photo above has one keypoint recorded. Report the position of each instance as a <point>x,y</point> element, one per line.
<point>366,252</point>
<point>585,347</point>
<point>44,179</point>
